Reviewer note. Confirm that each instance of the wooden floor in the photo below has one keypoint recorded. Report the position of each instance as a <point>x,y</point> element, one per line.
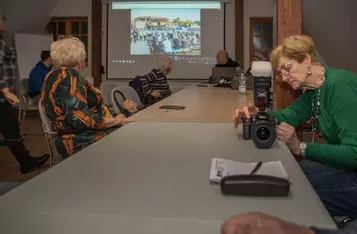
<point>36,144</point>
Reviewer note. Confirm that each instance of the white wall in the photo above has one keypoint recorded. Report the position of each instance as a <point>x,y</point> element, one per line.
<point>331,24</point>
<point>254,8</point>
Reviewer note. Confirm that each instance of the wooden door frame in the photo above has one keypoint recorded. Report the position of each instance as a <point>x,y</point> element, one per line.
<point>262,20</point>
<point>239,32</point>
<point>289,22</point>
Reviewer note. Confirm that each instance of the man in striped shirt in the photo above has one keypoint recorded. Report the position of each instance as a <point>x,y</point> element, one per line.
<point>153,86</point>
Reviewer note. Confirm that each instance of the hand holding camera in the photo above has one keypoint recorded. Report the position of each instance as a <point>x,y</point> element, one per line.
<point>258,125</point>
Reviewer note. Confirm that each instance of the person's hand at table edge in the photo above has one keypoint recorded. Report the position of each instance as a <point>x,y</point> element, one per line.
<point>258,223</point>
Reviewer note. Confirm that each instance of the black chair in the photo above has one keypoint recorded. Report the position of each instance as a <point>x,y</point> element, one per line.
<point>343,221</point>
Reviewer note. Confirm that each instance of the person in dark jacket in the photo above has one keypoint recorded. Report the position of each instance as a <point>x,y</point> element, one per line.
<point>223,60</point>
<point>38,74</point>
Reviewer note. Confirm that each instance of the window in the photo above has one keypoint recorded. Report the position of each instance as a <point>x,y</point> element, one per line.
<point>64,27</point>
<point>261,38</point>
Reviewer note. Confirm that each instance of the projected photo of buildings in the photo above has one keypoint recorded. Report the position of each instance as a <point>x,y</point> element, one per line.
<point>165,31</point>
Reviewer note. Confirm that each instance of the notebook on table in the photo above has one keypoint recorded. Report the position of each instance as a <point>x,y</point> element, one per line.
<point>222,167</point>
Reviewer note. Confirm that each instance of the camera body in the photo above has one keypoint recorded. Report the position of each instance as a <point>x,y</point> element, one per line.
<point>261,128</point>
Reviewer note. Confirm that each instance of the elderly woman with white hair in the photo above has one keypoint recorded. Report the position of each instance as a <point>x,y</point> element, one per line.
<point>74,106</point>
<point>153,86</point>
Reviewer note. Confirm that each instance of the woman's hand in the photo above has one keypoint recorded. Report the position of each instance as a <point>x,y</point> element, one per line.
<point>116,121</point>
<point>286,133</point>
<point>155,94</point>
<point>246,111</point>
<point>258,223</point>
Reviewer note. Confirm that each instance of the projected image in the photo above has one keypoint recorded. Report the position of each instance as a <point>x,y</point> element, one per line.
<point>165,31</point>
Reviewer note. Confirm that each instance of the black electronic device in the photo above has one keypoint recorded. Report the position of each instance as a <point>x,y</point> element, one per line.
<point>172,107</point>
<point>261,128</point>
<point>255,185</point>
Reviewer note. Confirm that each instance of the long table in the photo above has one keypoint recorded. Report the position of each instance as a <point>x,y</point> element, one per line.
<point>152,178</point>
<point>203,104</point>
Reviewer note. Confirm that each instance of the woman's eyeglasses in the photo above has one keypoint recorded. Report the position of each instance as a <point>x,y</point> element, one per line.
<point>3,18</point>
<point>284,71</point>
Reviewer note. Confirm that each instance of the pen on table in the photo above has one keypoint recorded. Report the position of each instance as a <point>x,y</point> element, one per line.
<point>256,168</point>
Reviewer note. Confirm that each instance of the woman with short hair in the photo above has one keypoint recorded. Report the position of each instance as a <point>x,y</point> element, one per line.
<point>74,106</point>
<point>330,104</point>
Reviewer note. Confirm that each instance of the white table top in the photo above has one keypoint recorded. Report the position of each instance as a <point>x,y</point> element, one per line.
<point>152,178</point>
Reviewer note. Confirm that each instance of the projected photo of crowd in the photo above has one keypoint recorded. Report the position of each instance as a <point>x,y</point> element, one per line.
<point>166,31</point>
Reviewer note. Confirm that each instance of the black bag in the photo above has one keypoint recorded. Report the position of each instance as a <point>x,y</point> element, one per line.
<point>125,112</point>
<point>135,84</point>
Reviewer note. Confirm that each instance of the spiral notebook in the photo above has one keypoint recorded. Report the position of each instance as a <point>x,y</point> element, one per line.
<point>222,167</point>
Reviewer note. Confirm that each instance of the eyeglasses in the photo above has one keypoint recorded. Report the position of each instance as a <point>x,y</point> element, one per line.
<point>3,18</point>
<point>284,70</point>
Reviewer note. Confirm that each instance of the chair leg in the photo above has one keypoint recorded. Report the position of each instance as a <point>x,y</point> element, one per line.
<point>20,113</point>
<point>50,148</point>
<point>344,222</point>
<point>22,120</point>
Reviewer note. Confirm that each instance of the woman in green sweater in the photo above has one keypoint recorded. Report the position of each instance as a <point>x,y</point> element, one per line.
<point>330,103</point>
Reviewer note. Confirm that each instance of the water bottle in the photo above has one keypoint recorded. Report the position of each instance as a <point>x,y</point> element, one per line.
<point>235,81</point>
<point>242,83</point>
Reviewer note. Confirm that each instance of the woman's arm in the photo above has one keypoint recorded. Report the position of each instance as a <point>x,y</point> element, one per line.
<point>73,98</point>
<point>297,113</point>
<point>145,83</point>
<point>343,111</point>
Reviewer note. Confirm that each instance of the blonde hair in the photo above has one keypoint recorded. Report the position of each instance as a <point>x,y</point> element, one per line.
<point>67,52</point>
<point>295,48</point>
<point>164,62</point>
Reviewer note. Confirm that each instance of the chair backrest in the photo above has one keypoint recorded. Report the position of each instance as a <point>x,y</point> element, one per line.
<point>24,85</point>
<point>47,127</point>
<point>106,89</point>
<point>129,93</point>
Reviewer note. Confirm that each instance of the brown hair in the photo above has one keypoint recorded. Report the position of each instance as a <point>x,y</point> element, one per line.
<point>295,48</point>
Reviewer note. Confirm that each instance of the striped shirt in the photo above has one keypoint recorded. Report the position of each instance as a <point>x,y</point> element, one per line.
<point>155,81</point>
<point>7,66</point>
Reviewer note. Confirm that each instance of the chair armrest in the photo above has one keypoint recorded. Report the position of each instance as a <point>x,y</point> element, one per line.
<point>6,142</point>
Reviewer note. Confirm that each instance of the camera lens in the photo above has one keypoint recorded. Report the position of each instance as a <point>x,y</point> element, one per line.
<point>263,133</point>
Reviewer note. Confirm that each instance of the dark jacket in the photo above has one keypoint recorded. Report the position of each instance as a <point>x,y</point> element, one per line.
<point>229,63</point>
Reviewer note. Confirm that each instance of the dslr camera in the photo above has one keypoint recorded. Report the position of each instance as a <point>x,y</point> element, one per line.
<point>261,127</point>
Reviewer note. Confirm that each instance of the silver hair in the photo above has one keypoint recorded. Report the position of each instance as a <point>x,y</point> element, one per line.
<point>67,52</point>
<point>224,52</point>
<point>164,62</point>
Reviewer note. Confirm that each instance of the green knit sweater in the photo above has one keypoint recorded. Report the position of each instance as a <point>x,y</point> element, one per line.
<point>337,120</point>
